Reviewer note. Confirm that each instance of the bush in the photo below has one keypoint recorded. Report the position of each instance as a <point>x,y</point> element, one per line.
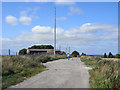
<point>23,52</point>
<point>110,55</point>
<point>117,56</point>
<point>75,54</point>
<point>83,54</point>
<point>41,47</point>
<point>105,56</point>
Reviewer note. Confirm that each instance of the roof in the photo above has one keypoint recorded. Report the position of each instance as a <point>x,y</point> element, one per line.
<point>41,49</point>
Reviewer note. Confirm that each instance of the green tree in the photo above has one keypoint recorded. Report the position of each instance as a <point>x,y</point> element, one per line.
<point>110,55</point>
<point>83,54</point>
<point>117,55</point>
<point>105,56</point>
<point>75,54</point>
<point>23,51</point>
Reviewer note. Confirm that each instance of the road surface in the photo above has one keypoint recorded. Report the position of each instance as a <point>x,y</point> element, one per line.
<point>61,74</point>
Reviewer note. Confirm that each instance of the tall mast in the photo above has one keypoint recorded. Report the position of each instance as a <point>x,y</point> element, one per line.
<point>55,33</point>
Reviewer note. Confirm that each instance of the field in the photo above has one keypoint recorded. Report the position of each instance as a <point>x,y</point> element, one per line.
<point>104,73</point>
<point>16,69</point>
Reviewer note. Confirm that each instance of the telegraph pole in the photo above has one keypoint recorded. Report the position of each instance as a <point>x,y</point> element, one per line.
<point>55,33</point>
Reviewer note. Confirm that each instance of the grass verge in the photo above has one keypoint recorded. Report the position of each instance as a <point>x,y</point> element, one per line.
<point>104,73</point>
<point>16,69</point>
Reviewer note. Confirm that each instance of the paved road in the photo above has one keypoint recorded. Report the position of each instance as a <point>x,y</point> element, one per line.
<point>61,74</point>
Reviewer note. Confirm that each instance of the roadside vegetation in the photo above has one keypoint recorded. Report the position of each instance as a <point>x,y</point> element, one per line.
<point>74,54</point>
<point>110,55</point>
<point>104,73</point>
<point>16,69</point>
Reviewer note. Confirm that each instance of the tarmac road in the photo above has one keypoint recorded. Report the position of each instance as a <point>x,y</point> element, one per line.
<point>61,74</point>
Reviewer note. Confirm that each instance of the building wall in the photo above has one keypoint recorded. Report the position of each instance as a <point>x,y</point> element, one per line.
<point>38,52</point>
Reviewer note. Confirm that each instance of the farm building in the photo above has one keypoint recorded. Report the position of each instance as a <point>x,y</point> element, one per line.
<point>43,51</point>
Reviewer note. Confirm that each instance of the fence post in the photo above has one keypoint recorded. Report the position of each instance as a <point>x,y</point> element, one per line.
<point>9,52</point>
<point>16,53</point>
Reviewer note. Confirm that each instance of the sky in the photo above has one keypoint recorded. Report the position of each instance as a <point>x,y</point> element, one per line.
<point>89,27</point>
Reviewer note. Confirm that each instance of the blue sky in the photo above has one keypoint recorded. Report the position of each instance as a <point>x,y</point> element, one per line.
<point>89,27</point>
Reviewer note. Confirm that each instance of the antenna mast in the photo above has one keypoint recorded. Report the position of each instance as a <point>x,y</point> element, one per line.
<point>55,34</point>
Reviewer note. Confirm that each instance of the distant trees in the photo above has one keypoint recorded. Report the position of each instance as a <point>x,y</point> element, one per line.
<point>41,47</point>
<point>117,56</point>
<point>75,54</point>
<point>23,51</point>
<point>83,54</point>
<point>105,56</point>
<point>110,55</point>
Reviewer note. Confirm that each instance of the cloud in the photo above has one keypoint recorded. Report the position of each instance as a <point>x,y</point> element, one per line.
<point>80,35</point>
<point>26,17</point>
<point>30,12</point>
<point>41,29</point>
<point>60,2</point>
<point>57,2</point>
<point>25,20</point>
<point>61,18</point>
<point>11,20</point>
<point>94,27</point>
<point>74,10</point>
<point>86,34</point>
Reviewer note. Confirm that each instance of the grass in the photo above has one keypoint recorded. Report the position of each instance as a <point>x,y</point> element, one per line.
<point>16,69</point>
<point>104,74</point>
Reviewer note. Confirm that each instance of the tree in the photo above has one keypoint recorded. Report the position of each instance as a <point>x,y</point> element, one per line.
<point>75,54</point>
<point>23,51</point>
<point>117,55</point>
<point>83,54</point>
<point>105,56</point>
<point>110,55</point>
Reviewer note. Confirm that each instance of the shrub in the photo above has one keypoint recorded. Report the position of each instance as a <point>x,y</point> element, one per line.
<point>83,54</point>
<point>23,52</point>
<point>75,54</point>
<point>117,55</point>
<point>105,56</point>
<point>110,55</point>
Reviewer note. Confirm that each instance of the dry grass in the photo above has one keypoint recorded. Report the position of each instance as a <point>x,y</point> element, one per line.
<point>110,59</point>
<point>104,74</point>
<point>15,69</point>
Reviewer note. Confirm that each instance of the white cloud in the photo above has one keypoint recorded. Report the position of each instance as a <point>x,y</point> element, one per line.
<point>85,34</point>
<point>26,17</point>
<point>25,20</point>
<point>30,12</point>
<point>60,2</point>
<point>11,20</point>
<point>41,29</point>
<point>75,10</point>
<point>94,27</point>
<point>61,18</point>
